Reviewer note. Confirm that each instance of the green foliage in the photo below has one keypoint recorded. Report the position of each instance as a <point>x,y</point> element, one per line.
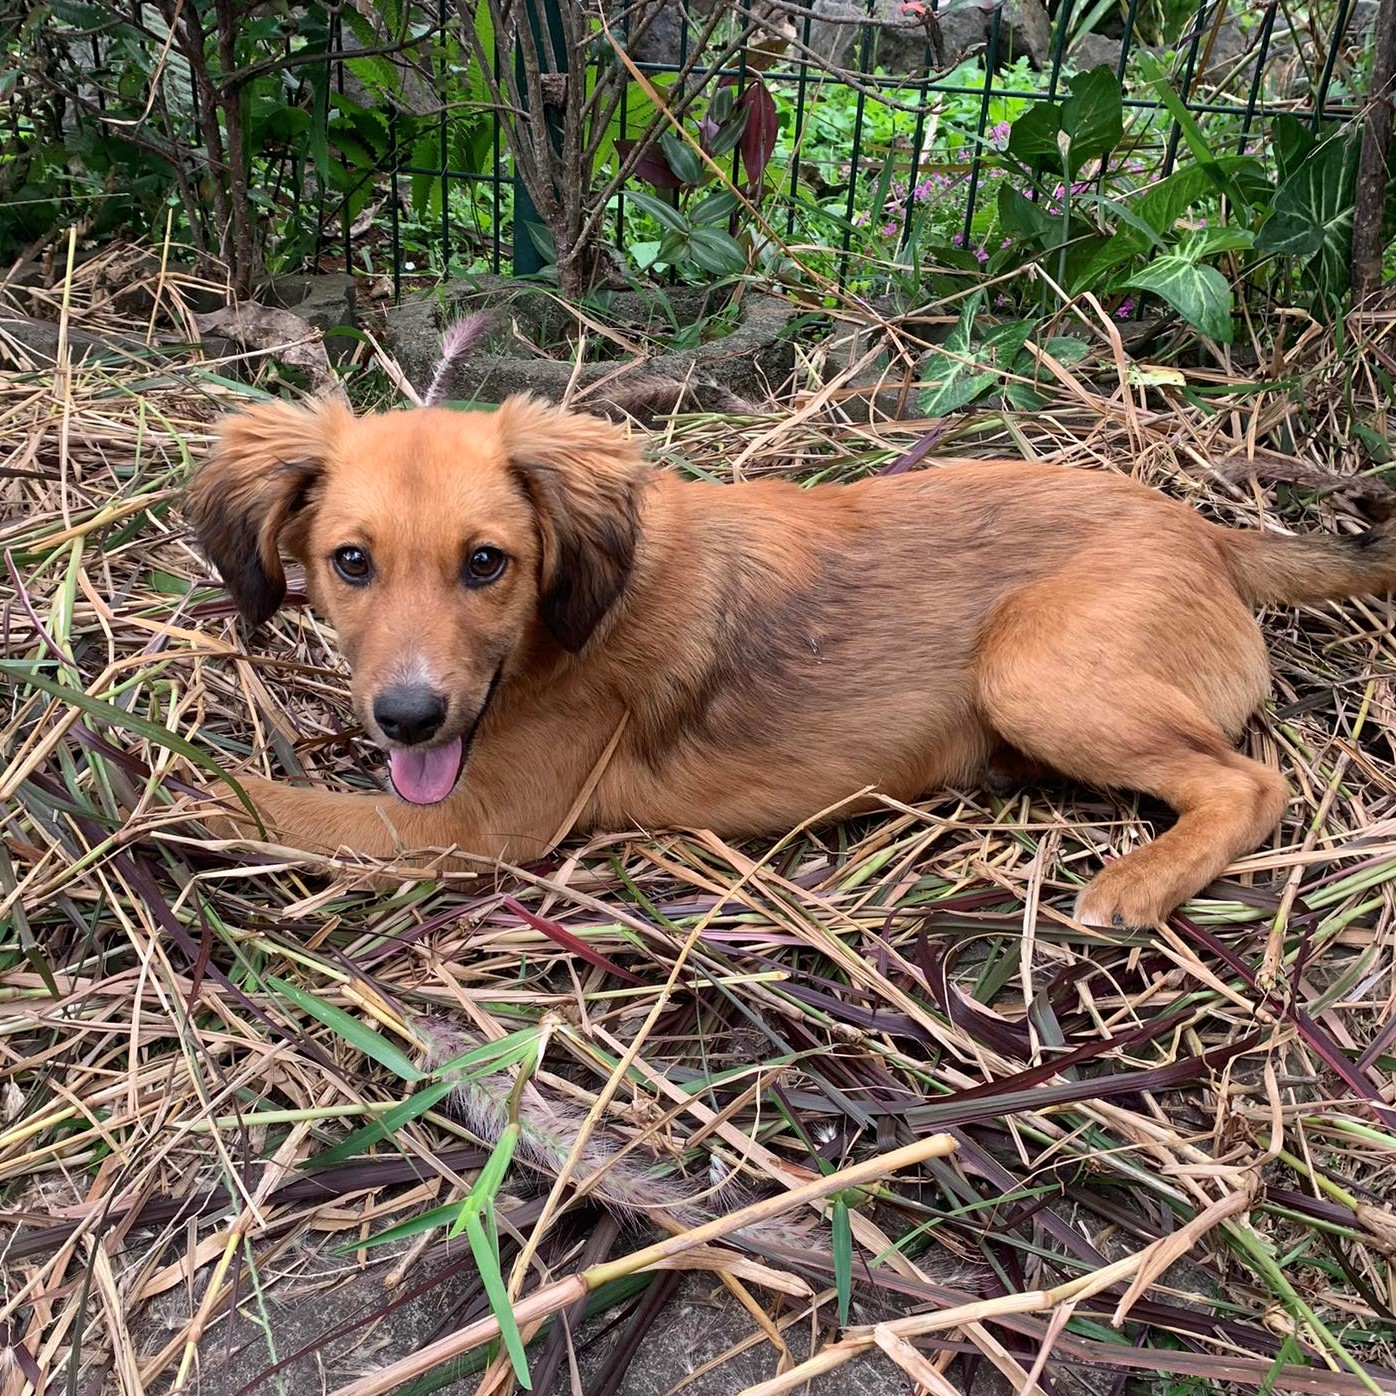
<point>1200,294</point>
<point>696,236</point>
<point>1064,136</point>
<point>699,234</point>
<point>1184,239</point>
<point>980,357</point>
<point>110,135</point>
<point>873,185</point>
<point>1311,217</point>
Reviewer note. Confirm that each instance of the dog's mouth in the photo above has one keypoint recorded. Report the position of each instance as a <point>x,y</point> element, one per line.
<point>427,775</point>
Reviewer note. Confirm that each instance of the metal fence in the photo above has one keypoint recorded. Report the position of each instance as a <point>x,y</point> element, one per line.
<point>902,68</point>
<point>366,135</point>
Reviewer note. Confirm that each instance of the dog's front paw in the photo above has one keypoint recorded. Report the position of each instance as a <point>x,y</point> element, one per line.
<point>1122,897</point>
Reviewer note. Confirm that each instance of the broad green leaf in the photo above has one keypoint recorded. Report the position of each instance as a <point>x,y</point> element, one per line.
<point>682,158</point>
<point>1312,217</point>
<point>1161,206</point>
<point>541,236</point>
<point>1020,217</point>
<point>1290,235</point>
<point>1025,397</point>
<point>715,209</point>
<point>717,251</point>
<point>729,134</point>
<point>1201,243</point>
<point>663,213</point>
<point>1093,116</point>
<point>842,1255</point>
<point>1200,294</point>
<point>962,370</point>
<point>956,381</point>
<point>1033,137</point>
<point>959,386</point>
<point>1291,140</point>
<point>352,1030</point>
<point>673,249</point>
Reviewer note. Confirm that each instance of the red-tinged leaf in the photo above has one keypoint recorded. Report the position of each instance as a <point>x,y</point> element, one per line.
<point>876,1019</point>
<point>1337,1060</point>
<point>759,137</point>
<point>572,943</point>
<point>652,167</point>
<point>1007,1038</point>
<point>911,458</point>
<point>1028,1090</point>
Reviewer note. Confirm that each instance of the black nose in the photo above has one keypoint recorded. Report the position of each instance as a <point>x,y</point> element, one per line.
<point>409,713</point>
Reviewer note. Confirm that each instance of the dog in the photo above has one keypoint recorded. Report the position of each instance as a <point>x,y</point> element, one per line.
<point>548,633</point>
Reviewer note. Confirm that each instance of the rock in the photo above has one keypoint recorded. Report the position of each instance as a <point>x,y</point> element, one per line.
<point>964,30</point>
<point>36,344</point>
<point>1226,57</point>
<point>326,302</point>
<point>657,33</point>
<point>254,328</point>
<point>905,42</point>
<point>1093,51</point>
<point>840,28</point>
<point>404,78</point>
<point>739,370</point>
<point>1025,29</point>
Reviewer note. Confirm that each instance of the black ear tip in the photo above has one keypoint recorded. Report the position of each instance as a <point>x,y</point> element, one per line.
<point>257,595</point>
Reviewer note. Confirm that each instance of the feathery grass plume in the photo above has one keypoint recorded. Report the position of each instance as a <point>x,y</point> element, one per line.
<point>631,1184</point>
<point>457,341</point>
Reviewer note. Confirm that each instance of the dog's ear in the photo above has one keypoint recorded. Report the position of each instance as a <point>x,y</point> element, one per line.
<point>585,478</point>
<point>245,497</point>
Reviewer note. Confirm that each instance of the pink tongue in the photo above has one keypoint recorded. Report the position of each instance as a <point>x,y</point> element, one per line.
<point>424,777</point>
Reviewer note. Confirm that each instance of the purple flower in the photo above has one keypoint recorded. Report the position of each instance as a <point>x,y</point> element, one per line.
<point>1125,308</point>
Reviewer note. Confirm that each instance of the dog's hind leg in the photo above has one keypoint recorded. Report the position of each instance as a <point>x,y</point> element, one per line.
<point>1101,706</point>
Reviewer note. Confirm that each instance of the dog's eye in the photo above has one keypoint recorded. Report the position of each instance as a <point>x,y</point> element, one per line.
<point>353,564</point>
<point>483,566</point>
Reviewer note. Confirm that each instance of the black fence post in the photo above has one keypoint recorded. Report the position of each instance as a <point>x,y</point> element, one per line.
<point>528,260</point>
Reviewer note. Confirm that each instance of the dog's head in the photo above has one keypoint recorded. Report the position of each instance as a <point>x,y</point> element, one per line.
<point>445,547</point>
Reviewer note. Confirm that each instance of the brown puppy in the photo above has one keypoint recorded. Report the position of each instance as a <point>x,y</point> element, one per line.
<point>516,589</point>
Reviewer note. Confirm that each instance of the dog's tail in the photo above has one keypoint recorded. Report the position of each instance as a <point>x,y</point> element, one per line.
<point>1289,571</point>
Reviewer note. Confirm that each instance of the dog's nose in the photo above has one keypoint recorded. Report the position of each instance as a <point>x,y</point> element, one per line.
<point>409,713</point>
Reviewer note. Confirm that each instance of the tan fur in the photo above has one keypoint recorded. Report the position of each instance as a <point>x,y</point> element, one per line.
<point>772,650</point>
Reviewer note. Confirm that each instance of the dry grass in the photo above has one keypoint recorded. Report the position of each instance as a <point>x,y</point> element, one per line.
<point>1175,1151</point>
